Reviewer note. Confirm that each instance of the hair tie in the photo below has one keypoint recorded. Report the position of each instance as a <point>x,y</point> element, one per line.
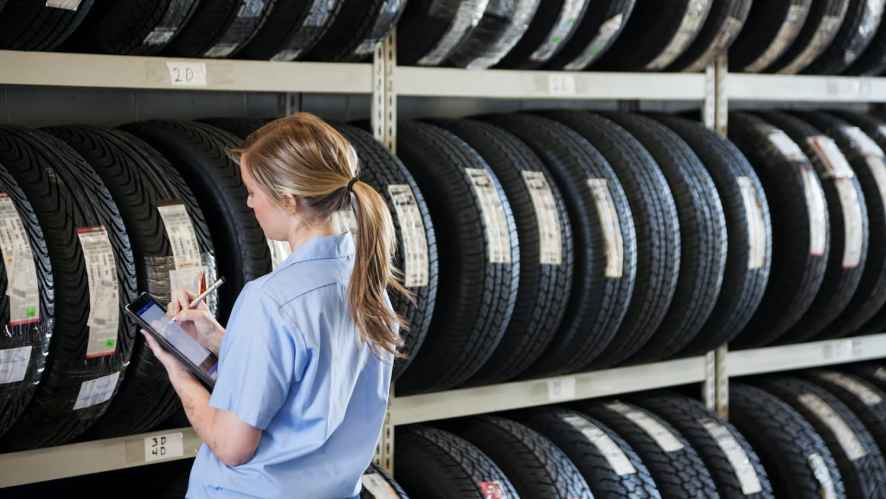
<point>351,183</point>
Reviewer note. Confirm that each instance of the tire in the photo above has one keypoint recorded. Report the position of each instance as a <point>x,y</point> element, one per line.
<point>387,175</point>
<point>867,161</point>
<point>677,469</point>
<point>378,484</point>
<point>29,337</point>
<point>602,281</point>
<point>549,31</point>
<point>239,127</point>
<point>599,29</point>
<point>292,30</point>
<point>776,25</point>
<point>725,20</point>
<point>799,227</point>
<point>608,464</point>
<point>865,399</point>
<point>68,197</point>
<point>858,30</point>
<point>197,151</point>
<point>798,462</point>
<point>821,26</point>
<point>430,29</point>
<point>133,27</point>
<point>854,449</point>
<point>36,26</point>
<point>135,176</point>
<point>479,259</point>
<point>534,465</point>
<point>220,28</point>
<point>436,464</point>
<point>544,272</point>
<point>358,28</point>
<point>749,229</point>
<point>848,227</point>
<point>703,239</point>
<point>873,372</point>
<point>503,24</point>
<point>658,232</point>
<point>654,38</point>
<point>733,464</point>
<point>872,61</point>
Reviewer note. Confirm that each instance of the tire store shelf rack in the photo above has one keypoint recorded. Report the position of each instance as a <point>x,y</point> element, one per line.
<point>384,82</point>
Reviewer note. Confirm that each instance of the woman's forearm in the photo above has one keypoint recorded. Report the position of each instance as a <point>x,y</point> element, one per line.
<point>195,400</point>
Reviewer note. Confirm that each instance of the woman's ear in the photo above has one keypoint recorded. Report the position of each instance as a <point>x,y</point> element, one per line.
<point>291,204</point>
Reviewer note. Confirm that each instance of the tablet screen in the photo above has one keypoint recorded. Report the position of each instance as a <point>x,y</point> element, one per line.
<point>153,314</point>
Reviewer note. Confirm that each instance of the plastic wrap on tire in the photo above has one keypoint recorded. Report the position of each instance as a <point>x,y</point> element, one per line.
<point>858,30</point>
<point>431,29</point>
<point>292,29</point>
<point>724,23</point>
<point>821,26</point>
<point>503,24</point>
<point>549,31</point>
<point>872,61</point>
<point>356,30</point>
<point>220,28</point>
<point>36,25</point>
<point>601,25</point>
<point>776,24</point>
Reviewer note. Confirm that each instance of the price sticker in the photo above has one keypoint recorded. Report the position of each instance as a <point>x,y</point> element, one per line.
<point>187,74</point>
<point>166,446</point>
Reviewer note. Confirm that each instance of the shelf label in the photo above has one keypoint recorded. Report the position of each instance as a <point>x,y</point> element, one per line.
<point>165,446</point>
<point>841,350</point>
<point>376,485</point>
<point>561,84</point>
<point>845,436</point>
<point>561,389</point>
<point>187,74</point>
<point>848,87</point>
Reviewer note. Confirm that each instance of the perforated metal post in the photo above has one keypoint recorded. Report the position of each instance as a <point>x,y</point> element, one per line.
<point>716,114</point>
<point>384,127</point>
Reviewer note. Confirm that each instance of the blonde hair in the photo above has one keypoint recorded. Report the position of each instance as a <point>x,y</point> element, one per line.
<point>303,157</point>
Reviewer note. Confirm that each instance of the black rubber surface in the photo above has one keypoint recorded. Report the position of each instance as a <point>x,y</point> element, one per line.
<point>856,33</point>
<point>32,25</point>
<point>503,24</point>
<point>478,277</point>
<point>356,30</point>
<point>749,229</point>
<point>550,29</point>
<point>798,462</point>
<point>220,28</point>
<point>601,25</point>
<point>798,266</point>
<point>776,25</point>
<point>821,26</point>
<point>292,29</point>
<point>430,29</point>
<point>725,21</point>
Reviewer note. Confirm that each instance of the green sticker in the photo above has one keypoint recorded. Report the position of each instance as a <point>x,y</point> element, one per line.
<point>31,312</point>
<point>111,343</point>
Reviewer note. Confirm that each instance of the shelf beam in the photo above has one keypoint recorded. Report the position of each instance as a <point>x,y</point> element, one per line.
<point>806,355</point>
<point>788,88</point>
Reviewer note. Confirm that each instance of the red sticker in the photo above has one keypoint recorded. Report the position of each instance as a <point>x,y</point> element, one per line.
<point>492,490</point>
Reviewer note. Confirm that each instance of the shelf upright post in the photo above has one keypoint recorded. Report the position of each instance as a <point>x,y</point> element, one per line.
<point>384,127</point>
<point>716,113</point>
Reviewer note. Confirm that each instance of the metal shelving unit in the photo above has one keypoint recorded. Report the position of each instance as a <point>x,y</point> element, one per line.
<point>383,81</point>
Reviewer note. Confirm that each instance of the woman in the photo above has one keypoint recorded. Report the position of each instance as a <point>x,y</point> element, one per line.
<point>305,363</point>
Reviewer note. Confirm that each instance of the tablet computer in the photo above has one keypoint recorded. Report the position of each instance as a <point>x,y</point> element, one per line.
<point>197,358</point>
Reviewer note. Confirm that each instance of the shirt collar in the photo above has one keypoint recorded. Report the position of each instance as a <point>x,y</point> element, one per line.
<point>323,247</point>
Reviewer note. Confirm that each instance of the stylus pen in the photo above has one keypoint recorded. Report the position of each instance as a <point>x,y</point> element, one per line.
<point>217,284</point>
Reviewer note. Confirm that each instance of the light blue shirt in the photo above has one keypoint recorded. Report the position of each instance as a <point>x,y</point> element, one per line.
<point>291,365</point>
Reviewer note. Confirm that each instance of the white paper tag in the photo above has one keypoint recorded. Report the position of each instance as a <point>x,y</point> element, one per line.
<point>823,475</point>
<point>696,13</point>
<point>610,225</point>
<point>14,364</point>
<point>662,436</point>
<point>616,457</point>
<point>787,147</point>
<point>862,142</point>
<point>376,485</point>
<point>104,297</point>
<point>833,161</point>
<point>166,446</point>
<point>853,226</point>
<point>187,74</point>
<point>815,204</point>
<point>279,252</point>
<point>845,436</point>
<point>64,4</point>
<point>859,389</point>
<point>786,35</point>
<point>181,235</point>
<point>738,458</point>
<point>594,49</point>
<point>191,278</point>
<point>561,84</point>
<point>755,222</point>
<point>570,13</point>
<point>22,287</point>
<point>498,238</point>
<point>96,391</point>
<point>412,232</point>
<point>159,36</point>
<point>549,230</point>
<point>561,389</point>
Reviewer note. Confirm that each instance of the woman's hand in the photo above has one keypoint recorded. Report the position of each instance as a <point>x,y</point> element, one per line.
<point>197,322</point>
<point>174,368</point>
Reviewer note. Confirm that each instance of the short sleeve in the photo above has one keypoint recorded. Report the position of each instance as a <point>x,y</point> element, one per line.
<point>257,360</point>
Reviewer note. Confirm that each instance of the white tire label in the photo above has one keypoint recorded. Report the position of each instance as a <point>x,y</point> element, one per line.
<point>853,225</point>
<point>181,235</point>
<point>831,159</point>
<point>192,279</point>
<point>594,49</point>
<point>279,252</point>
<point>22,287</point>
<point>376,485</point>
<point>96,391</point>
<point>862,142</point>
<point>160,447</point>
<point>14,364</point>
<point>852,385</point>
<point>815,204</point>
<point>845,436</point>
<point>414,237</point>
<point>570,14</point>
<point>696,13</point>
<point>187,74</point>
<point>662,436</point>
<point>616,457</point>
<point>735,454</point>
<point>610,226</point>
<point>823,475</point>
<point>786,35</point>
<point>64,4</point>
<point>547,216</point>
<point>785,145</point>
<point>756,224</point>
<point>498,237</point>
<point>467,17</point>
<point>104,294</point>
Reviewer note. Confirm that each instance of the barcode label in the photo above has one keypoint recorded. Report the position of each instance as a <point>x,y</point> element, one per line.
<point>22,287</point>
<point>547,216</point>
<point>755,222</point>
<point>498,238</point>
<point>104,297</point>
<point>610,226</point>
<point>412,232</point>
